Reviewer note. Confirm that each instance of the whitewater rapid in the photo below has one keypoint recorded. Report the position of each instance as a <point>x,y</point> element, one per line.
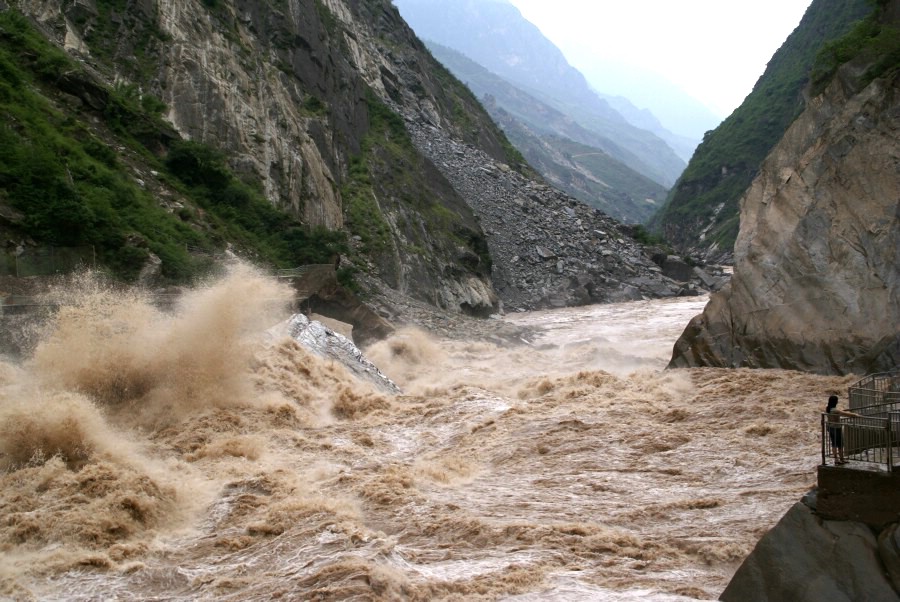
<point>182,456</point>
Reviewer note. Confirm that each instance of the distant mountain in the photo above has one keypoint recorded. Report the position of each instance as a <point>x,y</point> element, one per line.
<point>495,35</point>
<point>574,159</point>
<point>702,213</point>
<point>645,119</point>
<point>586,173</point>
<point>677,111</point>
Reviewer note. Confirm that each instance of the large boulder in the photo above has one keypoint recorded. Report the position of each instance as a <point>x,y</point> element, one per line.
<point>807,559</point>
<point>816,284</point>
<point>330,345</point>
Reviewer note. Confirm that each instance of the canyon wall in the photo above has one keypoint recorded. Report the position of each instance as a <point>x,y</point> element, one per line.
<point>816,282</point>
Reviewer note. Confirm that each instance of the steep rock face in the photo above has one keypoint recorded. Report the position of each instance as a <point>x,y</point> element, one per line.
<point>702,212</point>
<point>816,282</point>
<point>807,559</point>
<point>238,80</point>
<point>286,90</point>
<point>348,122</point>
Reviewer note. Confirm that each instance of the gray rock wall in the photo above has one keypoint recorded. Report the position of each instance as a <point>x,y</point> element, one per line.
<point>816,283</point>
<point>807,559</point>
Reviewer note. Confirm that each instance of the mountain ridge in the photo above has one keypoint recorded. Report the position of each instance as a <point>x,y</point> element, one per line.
<point>701,214</point>
<point>496,36</point>
<point>281,133</point>
<point>533,125</point>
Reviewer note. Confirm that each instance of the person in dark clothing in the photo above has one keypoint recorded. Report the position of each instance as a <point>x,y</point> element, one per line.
<point>835,430</point>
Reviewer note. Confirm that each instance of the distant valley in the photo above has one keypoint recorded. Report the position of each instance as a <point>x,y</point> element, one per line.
<point>549,110</point>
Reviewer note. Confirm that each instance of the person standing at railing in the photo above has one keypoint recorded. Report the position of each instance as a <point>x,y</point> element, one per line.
<point>835,430</point>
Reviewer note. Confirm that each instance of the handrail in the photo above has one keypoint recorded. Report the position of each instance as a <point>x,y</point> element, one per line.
<point>866,439</point>
<point>877,409</point>
<point>303,270</point>
<point>874,389</point>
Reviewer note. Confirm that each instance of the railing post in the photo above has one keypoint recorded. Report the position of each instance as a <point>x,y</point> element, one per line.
<point>890,443</point>
<point>823,435</point>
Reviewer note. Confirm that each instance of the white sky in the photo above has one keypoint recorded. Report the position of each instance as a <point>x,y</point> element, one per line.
<point>714,50</point>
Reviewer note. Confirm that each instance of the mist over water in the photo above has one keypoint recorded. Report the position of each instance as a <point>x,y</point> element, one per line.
<point>190,455</point>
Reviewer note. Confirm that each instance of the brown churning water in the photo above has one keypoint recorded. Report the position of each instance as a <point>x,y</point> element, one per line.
<point>185,456</point>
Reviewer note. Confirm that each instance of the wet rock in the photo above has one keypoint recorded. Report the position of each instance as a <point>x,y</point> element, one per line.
<point>818,246</point>
<point>806,559</point>
<point>889,551</point>
<point>676,268</point>
<point>710,282</point>
<point>326,343</point>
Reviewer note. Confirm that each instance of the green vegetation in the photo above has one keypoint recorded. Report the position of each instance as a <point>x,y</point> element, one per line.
<point>645,237</point>
<point>72,187</point>
<point>313,105</point>
<point>729,157</point>
<point>243,215</point>
<point>66,182</point>
<point>871,40</point>
<point>364,217</point>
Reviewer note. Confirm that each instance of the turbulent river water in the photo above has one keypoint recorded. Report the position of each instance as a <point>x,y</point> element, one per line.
<point>185,456</point>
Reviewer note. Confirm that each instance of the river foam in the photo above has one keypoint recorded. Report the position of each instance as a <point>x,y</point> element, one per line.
<point>182,455</point>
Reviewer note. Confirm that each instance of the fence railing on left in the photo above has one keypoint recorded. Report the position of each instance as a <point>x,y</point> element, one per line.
<point>46,261</point>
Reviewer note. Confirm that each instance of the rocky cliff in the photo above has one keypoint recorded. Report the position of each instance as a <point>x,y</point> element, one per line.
<point>816,282</point>
<point>807,558</point>
<point>701,214</point>
<point>293,94</point>
<point>341,117</point>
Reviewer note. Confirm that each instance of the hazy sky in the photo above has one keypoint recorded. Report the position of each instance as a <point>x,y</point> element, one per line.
<point>714,50</point>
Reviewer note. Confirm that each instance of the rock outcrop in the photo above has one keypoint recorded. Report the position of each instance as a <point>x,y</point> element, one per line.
<point>805,558</point>
<point>816,284</point>
<point>700,216</point>
<point>288,90</point>
<point>305,97</point>
<point>331,345</point>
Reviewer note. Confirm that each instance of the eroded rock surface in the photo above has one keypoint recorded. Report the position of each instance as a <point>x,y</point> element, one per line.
<point>816,283</point>
<point>807,559</point>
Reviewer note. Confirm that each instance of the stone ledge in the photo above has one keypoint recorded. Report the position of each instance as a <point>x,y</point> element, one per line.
<point>863,496</point>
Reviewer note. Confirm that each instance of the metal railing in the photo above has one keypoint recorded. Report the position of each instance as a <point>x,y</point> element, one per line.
<point>875,389</point>
<point>46,261</point>
<point>305,270</point>
<point>869,439</point>
<point>308,279</point>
